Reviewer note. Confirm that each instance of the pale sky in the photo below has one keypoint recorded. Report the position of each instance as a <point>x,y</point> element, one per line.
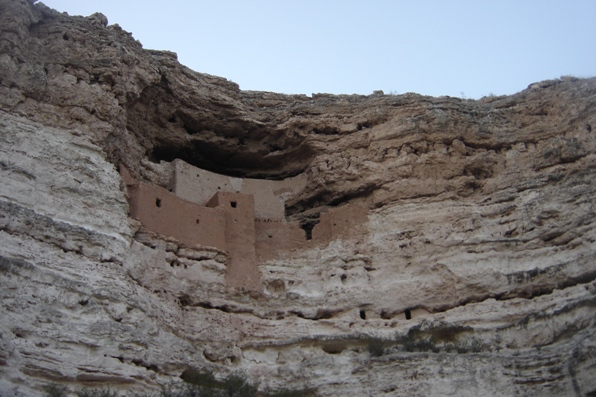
<point>468,48</point>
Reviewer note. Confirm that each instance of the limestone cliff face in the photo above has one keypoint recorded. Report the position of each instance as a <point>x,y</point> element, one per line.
<point>475,264</point>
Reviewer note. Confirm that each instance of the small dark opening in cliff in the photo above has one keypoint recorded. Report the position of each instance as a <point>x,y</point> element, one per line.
<point>184,301</point>
<point>233,204</point>
<point>150,367</point>
<point>323,314</point>
<point>363,314</point>
<point>408,314</point>
<point>158,202</point>
<point>275,148</point>
<point>361,126</point>
<point>326,131</point>
<point>334,348</point>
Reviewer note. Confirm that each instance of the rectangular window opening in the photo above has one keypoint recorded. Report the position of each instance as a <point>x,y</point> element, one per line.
<point>234,204</point>
<point>158,202</point>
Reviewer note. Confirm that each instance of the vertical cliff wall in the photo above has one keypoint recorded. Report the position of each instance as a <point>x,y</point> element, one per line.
<point>471,265</point>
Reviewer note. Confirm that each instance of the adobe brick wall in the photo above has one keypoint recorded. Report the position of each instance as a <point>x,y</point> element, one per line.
<point>198,186</point>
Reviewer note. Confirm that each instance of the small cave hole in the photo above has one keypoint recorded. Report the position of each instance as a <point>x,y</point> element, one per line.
<point>343,278</point>
<point>66,37</point>
<point>84,302</point>
<point>363,314</point>
<point>333,349</point>
<point>158,202</point>
<point>408,314</point>
<point>152,367</point>
<point>323,314</point>
<point>233,204</point>
<point>275,148</point>
<point>184,301</point>
<point>361,126</point>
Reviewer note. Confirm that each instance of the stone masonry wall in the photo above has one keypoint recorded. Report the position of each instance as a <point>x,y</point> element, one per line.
<point>239,215</point>
<point>163,212</point>
<point>229,221</point>
<point>198,185</point>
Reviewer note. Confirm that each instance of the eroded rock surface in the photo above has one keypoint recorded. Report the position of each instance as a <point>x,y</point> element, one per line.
<point>475,270</point>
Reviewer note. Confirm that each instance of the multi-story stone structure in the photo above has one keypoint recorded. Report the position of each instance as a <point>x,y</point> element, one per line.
<point>245,217</point>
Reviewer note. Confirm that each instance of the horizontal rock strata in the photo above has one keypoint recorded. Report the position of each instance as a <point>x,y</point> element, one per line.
<point>472,274</point>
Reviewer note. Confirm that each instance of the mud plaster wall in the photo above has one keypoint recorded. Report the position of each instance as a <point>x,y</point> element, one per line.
<point>197,185</point>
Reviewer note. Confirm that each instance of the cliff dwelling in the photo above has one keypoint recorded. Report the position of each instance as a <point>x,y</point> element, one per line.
<point>157,222</point>
<point>244,217</point>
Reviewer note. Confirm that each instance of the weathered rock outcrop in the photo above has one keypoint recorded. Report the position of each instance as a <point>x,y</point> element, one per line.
<point>475,267</point>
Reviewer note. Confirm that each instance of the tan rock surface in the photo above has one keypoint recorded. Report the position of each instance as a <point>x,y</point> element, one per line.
<point>476,264</point>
